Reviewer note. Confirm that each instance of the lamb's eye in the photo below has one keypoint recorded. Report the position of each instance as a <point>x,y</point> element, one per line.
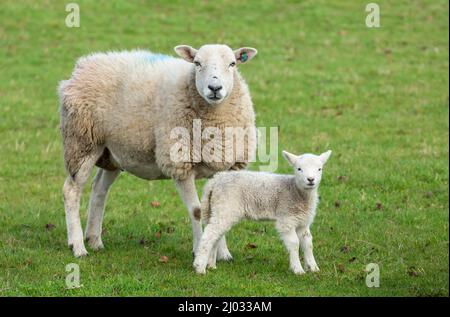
<point>232,64</point>
<point>320,169</point>
<point>299,169</point>
<point>197,63</point>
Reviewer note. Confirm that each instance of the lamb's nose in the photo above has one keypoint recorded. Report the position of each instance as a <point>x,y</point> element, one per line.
<point>215,88</point>
<point>310,179</point>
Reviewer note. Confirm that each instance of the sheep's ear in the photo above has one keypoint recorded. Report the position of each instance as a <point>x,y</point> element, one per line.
<point>244,54</point>
<point>325,156</point>
<point>291,158</point>
<point>186,52</point>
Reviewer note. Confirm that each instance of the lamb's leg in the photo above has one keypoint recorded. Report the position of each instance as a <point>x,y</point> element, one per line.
<point>213,232</point>
<point>213,256</point>
<point>72,190</point>
<point>188,192</point>
<point>222,250</point>
<point>100,186</point>
<point>292,243</point>
<point>305,237</point>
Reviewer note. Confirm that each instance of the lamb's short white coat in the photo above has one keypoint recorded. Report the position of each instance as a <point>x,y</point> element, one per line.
<point>290,200</point>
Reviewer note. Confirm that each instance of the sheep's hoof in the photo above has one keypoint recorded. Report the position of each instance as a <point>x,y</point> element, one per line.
<point>95,243</point>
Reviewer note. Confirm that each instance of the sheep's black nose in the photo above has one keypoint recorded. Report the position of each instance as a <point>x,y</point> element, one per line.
<point>310,179</point>
<point>215,88</point>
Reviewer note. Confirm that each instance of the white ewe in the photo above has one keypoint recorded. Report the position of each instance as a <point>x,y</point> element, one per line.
<point>118,111</point>
<point>290,200</point>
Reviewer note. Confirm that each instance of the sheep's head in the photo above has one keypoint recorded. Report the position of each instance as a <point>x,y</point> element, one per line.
<point>307,168</point>
<point>215,68</point>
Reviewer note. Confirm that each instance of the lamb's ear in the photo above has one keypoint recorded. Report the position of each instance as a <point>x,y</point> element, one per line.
<point>244,54</point>
<point>291,158</point>
<point>186,52</point>
<point>325,156</point>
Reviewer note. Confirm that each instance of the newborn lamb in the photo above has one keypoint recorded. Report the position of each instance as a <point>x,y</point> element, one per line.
<point>290,200</point>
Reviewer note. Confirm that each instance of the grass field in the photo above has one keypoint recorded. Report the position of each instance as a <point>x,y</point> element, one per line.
<point>378,97</point>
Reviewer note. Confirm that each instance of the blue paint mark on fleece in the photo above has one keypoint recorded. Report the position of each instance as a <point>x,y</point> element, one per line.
<point>154,58</point>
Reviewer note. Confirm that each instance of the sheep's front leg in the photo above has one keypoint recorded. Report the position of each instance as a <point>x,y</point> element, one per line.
<point>292,243</point>
<point>188,193</point>
<point>305,237</point>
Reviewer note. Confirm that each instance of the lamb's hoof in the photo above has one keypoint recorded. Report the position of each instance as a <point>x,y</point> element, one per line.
<point>298,271</point>
<point>314,268</point>
<point>200,270</point>
<point>211,266</point>
<point>95,243</point>
<point>79,251</point>
<point>224,256</point>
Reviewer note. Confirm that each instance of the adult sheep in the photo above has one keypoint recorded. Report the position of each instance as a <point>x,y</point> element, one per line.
<point>118,111</point>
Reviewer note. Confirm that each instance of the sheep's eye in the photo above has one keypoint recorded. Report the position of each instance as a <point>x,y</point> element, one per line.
<point>232,64</point>
<point>197,63</point>
<point>320,169</point>
<point>299,169</point>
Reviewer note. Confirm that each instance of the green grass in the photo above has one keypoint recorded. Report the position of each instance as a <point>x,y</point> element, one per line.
<point>377,97</point>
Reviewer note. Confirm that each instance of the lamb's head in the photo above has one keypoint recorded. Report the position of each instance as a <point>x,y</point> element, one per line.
<point>215,68</point>
<point>307,168</point>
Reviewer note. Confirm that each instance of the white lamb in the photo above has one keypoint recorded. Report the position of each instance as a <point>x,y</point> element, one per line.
<point>290,200</point>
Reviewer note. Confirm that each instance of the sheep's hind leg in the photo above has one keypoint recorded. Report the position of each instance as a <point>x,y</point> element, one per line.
<point>100,187</point>
<point>188,192</point>
<point>72,190</point>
